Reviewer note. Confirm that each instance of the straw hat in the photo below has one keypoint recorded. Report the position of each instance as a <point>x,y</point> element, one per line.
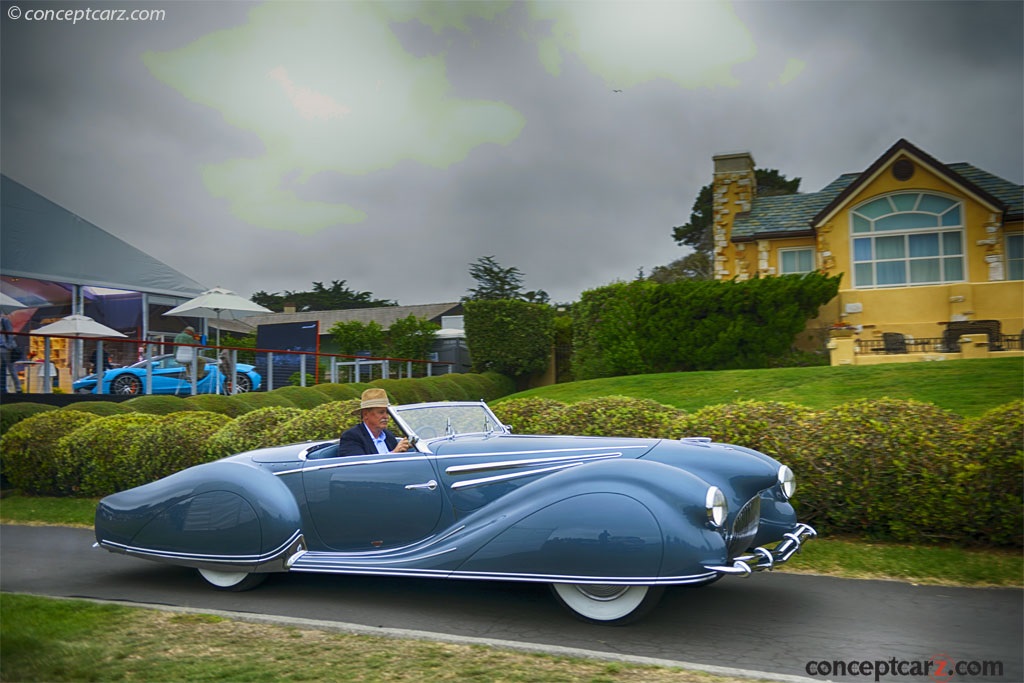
<point>373,398</point>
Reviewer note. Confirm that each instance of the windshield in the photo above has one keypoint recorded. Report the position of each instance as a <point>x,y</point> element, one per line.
<point>433,420</point>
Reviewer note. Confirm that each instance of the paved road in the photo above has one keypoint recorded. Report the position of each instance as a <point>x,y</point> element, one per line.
<point>769,622</point>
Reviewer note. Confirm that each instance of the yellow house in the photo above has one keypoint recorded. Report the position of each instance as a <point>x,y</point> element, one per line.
<point>927,251</point>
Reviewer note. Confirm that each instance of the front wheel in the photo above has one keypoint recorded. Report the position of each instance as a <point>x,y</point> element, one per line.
<point>607,604</point>
<point>232,581</point>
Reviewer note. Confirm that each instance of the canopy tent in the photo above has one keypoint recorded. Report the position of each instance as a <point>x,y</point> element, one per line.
<point>44,241</point>
<point>56,264</point>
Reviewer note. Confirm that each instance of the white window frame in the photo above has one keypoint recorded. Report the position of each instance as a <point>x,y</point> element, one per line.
<point>783,271</point>
<point>940,229</point>
<point>1014,264</point>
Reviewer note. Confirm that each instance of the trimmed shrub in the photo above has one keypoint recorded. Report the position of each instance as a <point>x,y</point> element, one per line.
<point>173,443</point>
<point>528,415</point>
<point>500,385</point>
<point>158,405</point>
<point>475,385</point>
<point>216,403</point>
<point>96,459</point>
<point>338,392</point>
<point>302,397</point>
<point>775,428</point>
<point>13,413</point>
<point>429,391</point>
<point>446,387</point>
<point>27,449</point>
<point>988,484</point>
<point>402,391</point>
<point>100,408</point>
<point>879,468</point>
<point>323,422</point>
<point>261,399</point>
<point>613,416</point>
<point>253,430</point>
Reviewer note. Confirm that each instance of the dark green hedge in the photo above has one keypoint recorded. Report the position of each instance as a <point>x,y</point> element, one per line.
<point>510,337</point>
<point>643,327</point>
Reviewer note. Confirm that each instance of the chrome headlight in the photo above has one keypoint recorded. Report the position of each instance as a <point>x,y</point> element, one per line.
<point>717,507</point>
<point>787,481</point>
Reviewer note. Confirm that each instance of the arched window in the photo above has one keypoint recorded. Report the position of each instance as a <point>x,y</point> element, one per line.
<point>909,238</point>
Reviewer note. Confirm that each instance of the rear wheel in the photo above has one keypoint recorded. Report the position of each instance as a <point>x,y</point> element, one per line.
<point>232,581</point>
<point>607,604</point>
<point>242,383</point>
<point>127,385</point>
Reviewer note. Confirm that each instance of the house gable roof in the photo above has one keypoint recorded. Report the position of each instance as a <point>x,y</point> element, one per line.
<point>798,215</point>
<point>900,149</point>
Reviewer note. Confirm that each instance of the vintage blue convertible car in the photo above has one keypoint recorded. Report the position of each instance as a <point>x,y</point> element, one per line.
<point>171,377</point>
<point>608,522</point>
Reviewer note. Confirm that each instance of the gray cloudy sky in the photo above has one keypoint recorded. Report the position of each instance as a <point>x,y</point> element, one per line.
<point>267,146</point>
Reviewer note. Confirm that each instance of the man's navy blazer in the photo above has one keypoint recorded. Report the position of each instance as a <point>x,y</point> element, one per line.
<point>357,441</point>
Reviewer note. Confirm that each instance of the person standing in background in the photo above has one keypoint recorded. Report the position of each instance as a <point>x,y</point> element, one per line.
<point>9,354</point>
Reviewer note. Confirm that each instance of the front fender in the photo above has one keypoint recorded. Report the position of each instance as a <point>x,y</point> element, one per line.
<point>631,521</point>
<point>224,512</point>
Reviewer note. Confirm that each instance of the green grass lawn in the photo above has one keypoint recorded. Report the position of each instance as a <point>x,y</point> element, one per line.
<point>43,639</point>
<point>965,387</point>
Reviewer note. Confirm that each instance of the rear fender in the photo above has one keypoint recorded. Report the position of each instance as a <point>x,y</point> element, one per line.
<point>224,513</point>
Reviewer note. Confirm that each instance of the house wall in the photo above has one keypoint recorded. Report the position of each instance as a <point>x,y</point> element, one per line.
<point>914,310</point>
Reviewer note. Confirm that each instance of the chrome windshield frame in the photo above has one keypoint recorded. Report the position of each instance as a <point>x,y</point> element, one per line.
<point>420,440</point>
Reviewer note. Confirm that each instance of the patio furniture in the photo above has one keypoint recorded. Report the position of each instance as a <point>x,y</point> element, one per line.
<point>894,342</point>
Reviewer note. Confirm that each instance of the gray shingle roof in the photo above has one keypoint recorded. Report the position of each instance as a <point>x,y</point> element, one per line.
<point>1003,190</point>
<point>777,216</point>
<point>787,213</point>
<point>384,316</point>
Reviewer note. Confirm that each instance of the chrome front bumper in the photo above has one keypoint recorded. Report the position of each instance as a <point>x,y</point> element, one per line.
<point>766,558</point>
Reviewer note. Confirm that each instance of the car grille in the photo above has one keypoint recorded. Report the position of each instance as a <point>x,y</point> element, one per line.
<point>744,527</point>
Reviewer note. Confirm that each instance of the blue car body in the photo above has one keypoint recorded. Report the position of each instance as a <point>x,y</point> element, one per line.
<point>607,522</point>
<point>170,377</point>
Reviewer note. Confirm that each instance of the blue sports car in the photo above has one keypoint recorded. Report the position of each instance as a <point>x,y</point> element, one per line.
<point>171,377</point>
<point>607,522</point>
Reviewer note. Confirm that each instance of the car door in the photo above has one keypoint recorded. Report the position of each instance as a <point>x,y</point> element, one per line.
<point>169,377</point>
<point>368,502</point>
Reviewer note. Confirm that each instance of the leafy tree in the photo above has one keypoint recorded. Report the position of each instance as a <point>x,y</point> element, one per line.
<point>513,338</point>
<point>354,337</point>
<point>696,265</point>
<point>247,341</point>
<point>699,235</point>
<point>411,337</point>
<point>337,297</point>
<point>495,282</point>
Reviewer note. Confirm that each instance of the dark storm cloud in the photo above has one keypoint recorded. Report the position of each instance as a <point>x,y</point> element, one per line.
<point>586,192</point>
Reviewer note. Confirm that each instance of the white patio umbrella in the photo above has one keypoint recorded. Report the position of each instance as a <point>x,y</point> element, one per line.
<point>218,303</point>
<point>79,326</point>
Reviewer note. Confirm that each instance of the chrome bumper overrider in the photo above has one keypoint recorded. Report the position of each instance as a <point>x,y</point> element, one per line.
<point>766,558</point>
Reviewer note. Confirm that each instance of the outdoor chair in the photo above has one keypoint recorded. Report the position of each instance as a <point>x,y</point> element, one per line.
<point>894,342</point>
